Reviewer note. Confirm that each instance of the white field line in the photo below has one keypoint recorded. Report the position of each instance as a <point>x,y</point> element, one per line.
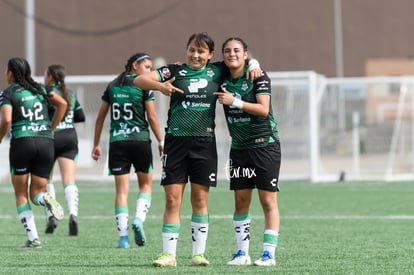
<point>293,217</point>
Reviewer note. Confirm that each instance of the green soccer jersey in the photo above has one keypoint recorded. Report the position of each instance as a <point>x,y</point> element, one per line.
<point>29,116</point>
<point>246,130</point>
<point>127,103</point>
<point>68,121</point>
<point>192,113</point>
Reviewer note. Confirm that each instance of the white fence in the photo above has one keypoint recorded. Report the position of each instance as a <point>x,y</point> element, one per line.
<point>330,128</point>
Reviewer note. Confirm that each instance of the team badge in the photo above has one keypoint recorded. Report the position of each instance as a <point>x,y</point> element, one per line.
<point>244,86</point>
<point>210,72</point>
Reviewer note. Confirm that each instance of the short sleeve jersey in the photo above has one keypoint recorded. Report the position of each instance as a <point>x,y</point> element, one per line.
<point>29,116</point>
<point>127,104</point>
<point>74,105</point>
<point>249,131</point>
<point>192,113</point>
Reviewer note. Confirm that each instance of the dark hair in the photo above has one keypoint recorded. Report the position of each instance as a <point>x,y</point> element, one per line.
<point>237,39</point>
<point>202,39</point>
<point>20,69</point>
<point>57,72</point>
<point>138,57</point>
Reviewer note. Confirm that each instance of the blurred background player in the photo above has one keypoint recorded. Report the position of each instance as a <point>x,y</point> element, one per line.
<point>24,108</point>
<point>254,147</point>
<point>66,147</point>
<point>130,143</point>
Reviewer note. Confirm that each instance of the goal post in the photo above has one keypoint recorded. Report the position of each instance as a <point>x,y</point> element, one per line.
<point>383,129</point>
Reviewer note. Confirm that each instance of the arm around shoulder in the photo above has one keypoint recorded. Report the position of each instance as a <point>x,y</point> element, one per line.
<point>147,81</point>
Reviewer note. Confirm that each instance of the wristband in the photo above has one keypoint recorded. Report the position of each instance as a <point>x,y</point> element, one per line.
<point>238,103</point>
<point>161,143</point>
<point>254,64</point>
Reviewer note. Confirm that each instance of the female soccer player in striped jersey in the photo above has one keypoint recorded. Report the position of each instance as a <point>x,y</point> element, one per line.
<point>255,150</point>
<point>66,147</point>
<point>129,143</point>
<point>190,147</point>
<point>24,108</point>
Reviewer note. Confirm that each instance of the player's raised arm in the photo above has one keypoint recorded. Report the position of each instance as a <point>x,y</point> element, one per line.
<point>150,81</point>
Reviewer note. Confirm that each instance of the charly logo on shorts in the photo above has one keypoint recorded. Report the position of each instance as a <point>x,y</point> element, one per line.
<point>238,172</point>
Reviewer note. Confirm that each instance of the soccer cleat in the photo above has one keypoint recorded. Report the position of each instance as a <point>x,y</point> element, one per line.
<point>32,244</point>
<point>165,259</point>
<point>139,234</point>
<point>265,260</point>
<point>73,225</point>
<point>199,259</point>
<point>240,258</point>
<point>53,207</point>
<point>123,242</point>
<point>51,225</point>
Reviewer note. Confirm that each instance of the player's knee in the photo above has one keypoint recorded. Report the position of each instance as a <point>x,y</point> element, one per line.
<point>172,202</point>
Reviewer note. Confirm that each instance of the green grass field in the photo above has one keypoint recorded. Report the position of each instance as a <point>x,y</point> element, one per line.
<point>326,228</point>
